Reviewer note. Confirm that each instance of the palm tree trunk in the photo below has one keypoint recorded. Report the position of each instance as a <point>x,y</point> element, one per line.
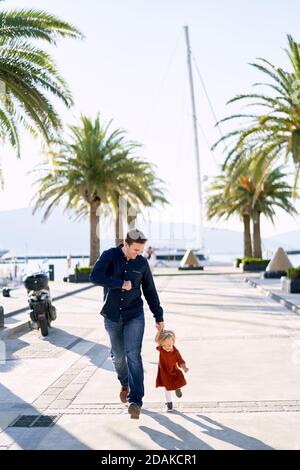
<point>94,232</point>
<point>119,228</point>
<point>131,217</point>
<point>257,252</point>
<point>247,236</point>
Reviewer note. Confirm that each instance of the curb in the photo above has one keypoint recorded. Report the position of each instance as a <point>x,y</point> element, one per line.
<point>197,273</point>
<point>286,303</point>
<point>59,297</point>
<point>5,333</point>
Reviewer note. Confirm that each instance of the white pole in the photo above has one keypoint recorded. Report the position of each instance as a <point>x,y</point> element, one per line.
<point>196,140</point>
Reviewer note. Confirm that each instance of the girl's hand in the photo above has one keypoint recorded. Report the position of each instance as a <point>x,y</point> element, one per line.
<point>185,369</point>
<point>160,326</point>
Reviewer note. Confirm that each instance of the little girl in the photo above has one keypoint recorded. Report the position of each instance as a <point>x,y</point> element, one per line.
<point>169,375</point>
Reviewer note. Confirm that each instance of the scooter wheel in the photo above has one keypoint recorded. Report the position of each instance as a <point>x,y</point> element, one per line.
<point>44,326</point>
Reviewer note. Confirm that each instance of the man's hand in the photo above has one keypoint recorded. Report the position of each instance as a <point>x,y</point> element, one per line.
<point>160,326</point>
<point>127,285</point>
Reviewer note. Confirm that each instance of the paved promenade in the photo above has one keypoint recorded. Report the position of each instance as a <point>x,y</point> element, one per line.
<point>243,392</point>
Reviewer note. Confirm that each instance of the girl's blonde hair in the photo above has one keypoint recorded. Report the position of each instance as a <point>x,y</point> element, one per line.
<point>166,334</point>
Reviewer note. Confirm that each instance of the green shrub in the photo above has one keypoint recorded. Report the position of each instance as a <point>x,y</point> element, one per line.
<point>258,261</point>
<point>238,262</point>
<point>293,273</point>
<point>86,270</point>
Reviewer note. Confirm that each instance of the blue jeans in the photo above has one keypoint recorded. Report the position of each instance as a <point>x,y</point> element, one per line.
<point>126,346</point>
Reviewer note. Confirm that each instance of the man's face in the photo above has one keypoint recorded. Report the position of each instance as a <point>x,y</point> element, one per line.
<point>134,250</point>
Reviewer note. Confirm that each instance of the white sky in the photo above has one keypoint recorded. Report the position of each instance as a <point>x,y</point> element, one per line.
<point>132,67</point>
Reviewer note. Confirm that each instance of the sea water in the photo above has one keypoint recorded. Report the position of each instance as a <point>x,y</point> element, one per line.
<point>63,267</point>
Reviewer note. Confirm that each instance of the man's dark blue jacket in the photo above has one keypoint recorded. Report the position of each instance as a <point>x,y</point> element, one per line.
<point>110,271</point>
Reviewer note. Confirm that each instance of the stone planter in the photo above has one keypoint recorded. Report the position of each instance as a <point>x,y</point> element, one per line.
<point>290,286</point>
<point>273,274</point>
<point>82,277</point>
<point>191,268</point>
<point>78,277</point>
<point>252,267</point>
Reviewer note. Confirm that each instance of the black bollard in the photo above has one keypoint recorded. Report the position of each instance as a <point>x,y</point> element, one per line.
<point>1,316</point>
<point>6,292</point>
<point>51,272</point>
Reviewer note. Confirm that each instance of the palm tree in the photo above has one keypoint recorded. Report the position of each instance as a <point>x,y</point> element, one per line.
<point>253,189</point>
<point>140,188</point>
<point>276,132</point>
<point>28,74</point>
<point>226,200</point>
<point>267,189</point>
<point>266,196</point>
<point>89,170</point>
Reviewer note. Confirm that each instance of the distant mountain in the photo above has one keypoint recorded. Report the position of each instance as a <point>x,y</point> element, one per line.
<point>288,240</point>
<point>23,234</point>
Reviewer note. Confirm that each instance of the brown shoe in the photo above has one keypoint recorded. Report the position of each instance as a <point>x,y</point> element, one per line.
<point>123,394</point>
<point>134,410</point>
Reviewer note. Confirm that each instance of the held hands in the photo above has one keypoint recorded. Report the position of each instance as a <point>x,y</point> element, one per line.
<point>160,326</point>
<point>127,285</point>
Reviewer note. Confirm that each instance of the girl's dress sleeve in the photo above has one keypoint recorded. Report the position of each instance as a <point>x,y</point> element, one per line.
<point>180,360</point>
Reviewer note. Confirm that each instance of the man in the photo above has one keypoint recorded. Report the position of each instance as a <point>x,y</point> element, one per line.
<point>122,271</point>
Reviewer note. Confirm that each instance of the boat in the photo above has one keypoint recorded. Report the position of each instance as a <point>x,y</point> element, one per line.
<point>172,257</point>
<point>3,252</point>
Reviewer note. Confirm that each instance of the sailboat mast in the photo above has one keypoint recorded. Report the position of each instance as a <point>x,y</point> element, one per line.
<point>196,140</point>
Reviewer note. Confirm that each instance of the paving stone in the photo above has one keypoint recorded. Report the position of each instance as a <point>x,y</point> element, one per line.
<point>67,395</point>
<point>80,381</point>
<point>77,411</point>
<point>62,383</point>
<point>53,391</point>
<point>60,404</point>
<point>44,400</point>
<point>73,387</point>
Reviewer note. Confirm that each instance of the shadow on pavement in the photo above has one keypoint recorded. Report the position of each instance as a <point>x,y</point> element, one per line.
<point>12,406</point>
<point>209,427</point>
<point>184,440</point>
<point>50,346</point>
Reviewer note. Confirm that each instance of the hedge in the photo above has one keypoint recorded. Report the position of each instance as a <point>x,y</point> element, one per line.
<point>293,273</point>
<point>258,261</point>
<point>86,270</point>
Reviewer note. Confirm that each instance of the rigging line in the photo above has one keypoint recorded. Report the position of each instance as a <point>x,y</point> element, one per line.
<point>207,143</point>
<point>208,99</point>
<point>163,80</point>
<point>171,59</point>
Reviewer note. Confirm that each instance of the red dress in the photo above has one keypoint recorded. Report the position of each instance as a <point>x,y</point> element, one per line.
<point>168,374</point>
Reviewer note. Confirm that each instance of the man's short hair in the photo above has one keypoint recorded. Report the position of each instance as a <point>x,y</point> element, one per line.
<point>135,236</point>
